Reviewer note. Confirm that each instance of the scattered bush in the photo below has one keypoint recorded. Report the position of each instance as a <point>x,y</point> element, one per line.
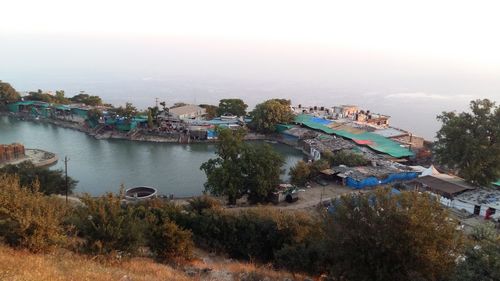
<point>109,226</point>
<point>200,203</point>
<point>29,219</point>
<point>168,241</point>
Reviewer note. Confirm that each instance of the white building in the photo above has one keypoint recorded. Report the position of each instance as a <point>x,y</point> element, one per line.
<point>189,111</point>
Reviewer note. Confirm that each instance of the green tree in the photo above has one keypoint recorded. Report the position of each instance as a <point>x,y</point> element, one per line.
<point>268,114</point>
<point>8,94</point>
<point>345,157</point>
<point>128,111</point>
<point>241,168</point>
<point>84,98</point>
<point>60,98</point>
<point>150,120</point>
<point>232,106</point>
<point>224,173</point>
<point>94,115</point>
<point>380,236</point>
<point>481,260</point>
<point>300,173</point>
<point>468,142</point>
<point>211,110</point>
<point>262,170</point>
<point>40,96</point>
<point>50,181</point>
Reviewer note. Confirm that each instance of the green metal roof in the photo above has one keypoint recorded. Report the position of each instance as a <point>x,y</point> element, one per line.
<point>374,141</point>
<point>497,183</point>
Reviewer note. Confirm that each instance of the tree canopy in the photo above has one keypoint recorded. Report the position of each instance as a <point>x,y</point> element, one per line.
<point>232,106</point>
<point>382,236</point>
<point>268,114</point>
<point>241,168</point>
<point>468,142</point>
<point>50,181</point>
<point>211,110</point>
<point>84,98</point>
<point>481,260</point>
<point>8,94</point>
<point>128,111</point>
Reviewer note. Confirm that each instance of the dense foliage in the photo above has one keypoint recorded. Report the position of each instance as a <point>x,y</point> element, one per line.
<point>29,219</point>
<point>268,114</point>
<point>241,168</point>
<point>234,107</point>
<point>302,172</point>
<point>108,226</point>
<point>481,259</point>
<point>381,236</point>
<point>250,234</point>
<point>468,142</point>
<point>50,181</point>
<point>86,99</point>
<point>128,111</point>
<point>211,110</point>
<point>8,94</point>
<point>346,158</point>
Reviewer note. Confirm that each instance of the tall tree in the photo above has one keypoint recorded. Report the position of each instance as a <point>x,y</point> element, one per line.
<point>481,260</point>
<point>382,236</point>
<point>262,169</point>
<point>128,111</point>
<point>268,114</point>
<point>241,168</point>
<point>468,142</point>
<point>211,110</point>
<point>8,94</point>
<point>232,106</point>
<point>224,173</point>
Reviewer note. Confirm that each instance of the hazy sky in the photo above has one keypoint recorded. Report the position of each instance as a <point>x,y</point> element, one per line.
<point>402,57</point>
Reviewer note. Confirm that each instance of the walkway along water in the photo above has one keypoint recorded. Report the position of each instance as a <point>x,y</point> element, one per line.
<point>102,165</point>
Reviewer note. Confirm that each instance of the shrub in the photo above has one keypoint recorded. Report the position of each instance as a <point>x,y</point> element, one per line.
<point>198,204</point>
<point>107,225</point>
<point>347,158</point>
<point>300,173</point>
<point>168,241</point>
<point>250,234</point>
<point>49,181</point>
<point>29,219</point>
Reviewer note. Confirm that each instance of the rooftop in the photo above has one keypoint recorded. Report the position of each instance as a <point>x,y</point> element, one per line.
<point>486,197</point>
<point>447,186</point>
<point>186,109</point>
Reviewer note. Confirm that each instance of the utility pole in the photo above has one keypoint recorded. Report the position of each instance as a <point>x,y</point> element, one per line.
<point>66,176</point>
<point>156,102</point>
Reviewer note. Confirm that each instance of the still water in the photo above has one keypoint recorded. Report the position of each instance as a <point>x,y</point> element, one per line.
<point>103,165</point>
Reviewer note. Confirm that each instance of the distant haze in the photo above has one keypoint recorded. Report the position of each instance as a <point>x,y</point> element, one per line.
<point>408,61</point>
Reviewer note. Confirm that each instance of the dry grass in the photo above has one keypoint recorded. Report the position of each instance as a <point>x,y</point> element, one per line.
<point>22,265</point>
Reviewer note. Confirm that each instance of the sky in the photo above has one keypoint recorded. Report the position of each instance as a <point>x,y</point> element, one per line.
<point>404,57</point>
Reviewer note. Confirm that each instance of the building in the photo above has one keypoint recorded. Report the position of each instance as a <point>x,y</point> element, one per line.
<point>345,111</point>
<point>189,111</point>
<point>446,186</point>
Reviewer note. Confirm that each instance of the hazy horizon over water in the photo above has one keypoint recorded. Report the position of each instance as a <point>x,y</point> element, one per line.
<point>412,90</point>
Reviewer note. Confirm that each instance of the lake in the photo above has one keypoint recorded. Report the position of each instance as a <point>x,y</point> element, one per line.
<point>103,165</point>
